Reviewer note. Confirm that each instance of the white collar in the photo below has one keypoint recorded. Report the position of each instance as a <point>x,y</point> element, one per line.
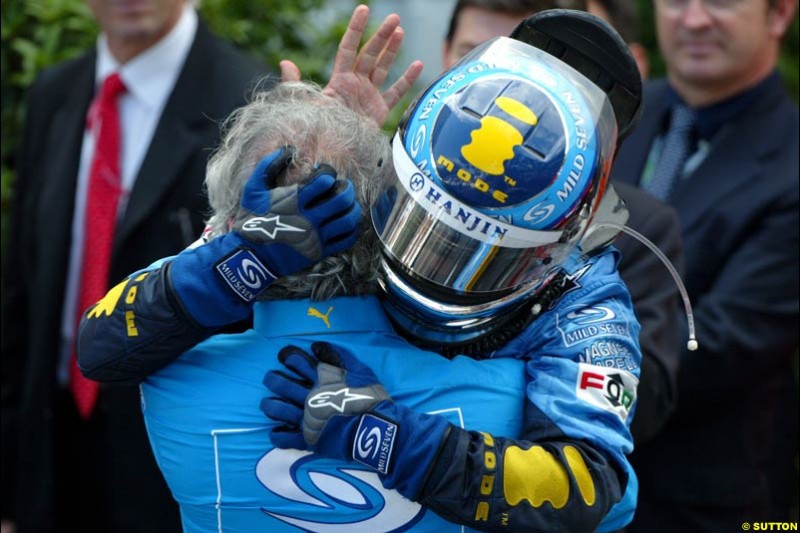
<point>150,76</point>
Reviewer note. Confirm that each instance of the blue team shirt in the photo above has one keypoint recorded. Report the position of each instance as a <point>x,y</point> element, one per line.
<point>212,441</point>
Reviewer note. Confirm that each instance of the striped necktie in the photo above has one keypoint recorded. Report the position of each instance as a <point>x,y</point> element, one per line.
<point>674,153</point>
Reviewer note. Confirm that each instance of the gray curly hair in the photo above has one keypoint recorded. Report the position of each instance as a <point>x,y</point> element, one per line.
<point>323,131</point>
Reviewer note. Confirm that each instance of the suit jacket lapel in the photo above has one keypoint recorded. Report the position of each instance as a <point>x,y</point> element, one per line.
<point>177,136</point>
<point>633,154</point>
<point>749,137</point>
<point>716,176</point>
<point>173,143</point>
<point>65,137</point>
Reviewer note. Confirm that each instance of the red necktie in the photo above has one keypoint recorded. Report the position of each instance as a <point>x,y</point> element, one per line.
<point>103,195</point>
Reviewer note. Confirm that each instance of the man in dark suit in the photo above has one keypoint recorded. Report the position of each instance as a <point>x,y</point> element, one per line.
<point>96,472</point>
<point>736,190</point>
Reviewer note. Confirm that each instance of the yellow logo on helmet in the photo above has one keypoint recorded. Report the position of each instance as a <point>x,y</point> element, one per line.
<point>493,143</point>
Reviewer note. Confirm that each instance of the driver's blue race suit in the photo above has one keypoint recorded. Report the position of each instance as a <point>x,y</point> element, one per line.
<point>546,416</point>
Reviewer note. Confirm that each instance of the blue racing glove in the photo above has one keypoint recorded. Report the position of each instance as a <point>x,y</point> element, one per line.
<point>333,404</point>
<point>282,230</point>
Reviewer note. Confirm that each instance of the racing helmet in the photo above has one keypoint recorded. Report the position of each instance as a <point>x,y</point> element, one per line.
<point>499,167</point>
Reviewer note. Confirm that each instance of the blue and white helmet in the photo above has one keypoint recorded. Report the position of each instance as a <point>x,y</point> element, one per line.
<point>500,165</point>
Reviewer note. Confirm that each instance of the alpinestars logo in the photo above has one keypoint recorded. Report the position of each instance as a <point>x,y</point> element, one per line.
<point>330,498</point>
<point>269,226</point>
<point>565,283</point>
<point>570,282</point>
<point>336,399</point>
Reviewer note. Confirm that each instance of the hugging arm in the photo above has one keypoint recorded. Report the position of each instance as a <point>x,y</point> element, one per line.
<point>153,316</point>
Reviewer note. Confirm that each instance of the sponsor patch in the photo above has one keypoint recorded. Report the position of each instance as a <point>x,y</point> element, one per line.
<point>374,443</point>
<point>609,353</point>
<point>582,325</point>
<point>610,389</point>
<point>244,274</point>
<point>591,315</point>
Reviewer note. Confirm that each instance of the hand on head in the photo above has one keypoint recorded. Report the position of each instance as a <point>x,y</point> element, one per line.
<point>358,75</point>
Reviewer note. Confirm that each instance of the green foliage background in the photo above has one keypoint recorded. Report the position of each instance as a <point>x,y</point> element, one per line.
<point>40,33</point>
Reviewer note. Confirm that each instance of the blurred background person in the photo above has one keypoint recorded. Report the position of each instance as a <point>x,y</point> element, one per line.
<point>109,178</point>
<point>473,22</point>
<point>718,140</point>
<point>623,15</point>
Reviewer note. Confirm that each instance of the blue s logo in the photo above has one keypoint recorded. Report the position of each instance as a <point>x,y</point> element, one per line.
<point>591,315</point>
<point>244,274</point>
<point>318,494</point>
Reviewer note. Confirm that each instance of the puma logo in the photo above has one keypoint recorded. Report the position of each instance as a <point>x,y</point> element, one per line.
<point>324,318</point>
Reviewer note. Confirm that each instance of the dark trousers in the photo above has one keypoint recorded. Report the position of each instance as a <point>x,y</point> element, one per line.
<point>106,477</point>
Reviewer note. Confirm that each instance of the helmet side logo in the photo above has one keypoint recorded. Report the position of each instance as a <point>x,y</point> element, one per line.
<point>498,144</point>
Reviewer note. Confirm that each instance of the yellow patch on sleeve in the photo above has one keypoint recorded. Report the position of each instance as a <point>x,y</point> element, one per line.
<point>487,483</point>
<point>482,512</point>
<point>534,475</point>
<point>582,475</point>
<point>109,302</point>
<point>130,323</point>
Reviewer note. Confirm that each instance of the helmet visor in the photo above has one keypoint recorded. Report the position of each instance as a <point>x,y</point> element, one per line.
<point>445,241</point>
<point>498,167</point>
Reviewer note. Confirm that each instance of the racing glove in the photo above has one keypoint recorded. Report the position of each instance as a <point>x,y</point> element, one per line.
<point>282,230</point>
<point>333,404</point>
